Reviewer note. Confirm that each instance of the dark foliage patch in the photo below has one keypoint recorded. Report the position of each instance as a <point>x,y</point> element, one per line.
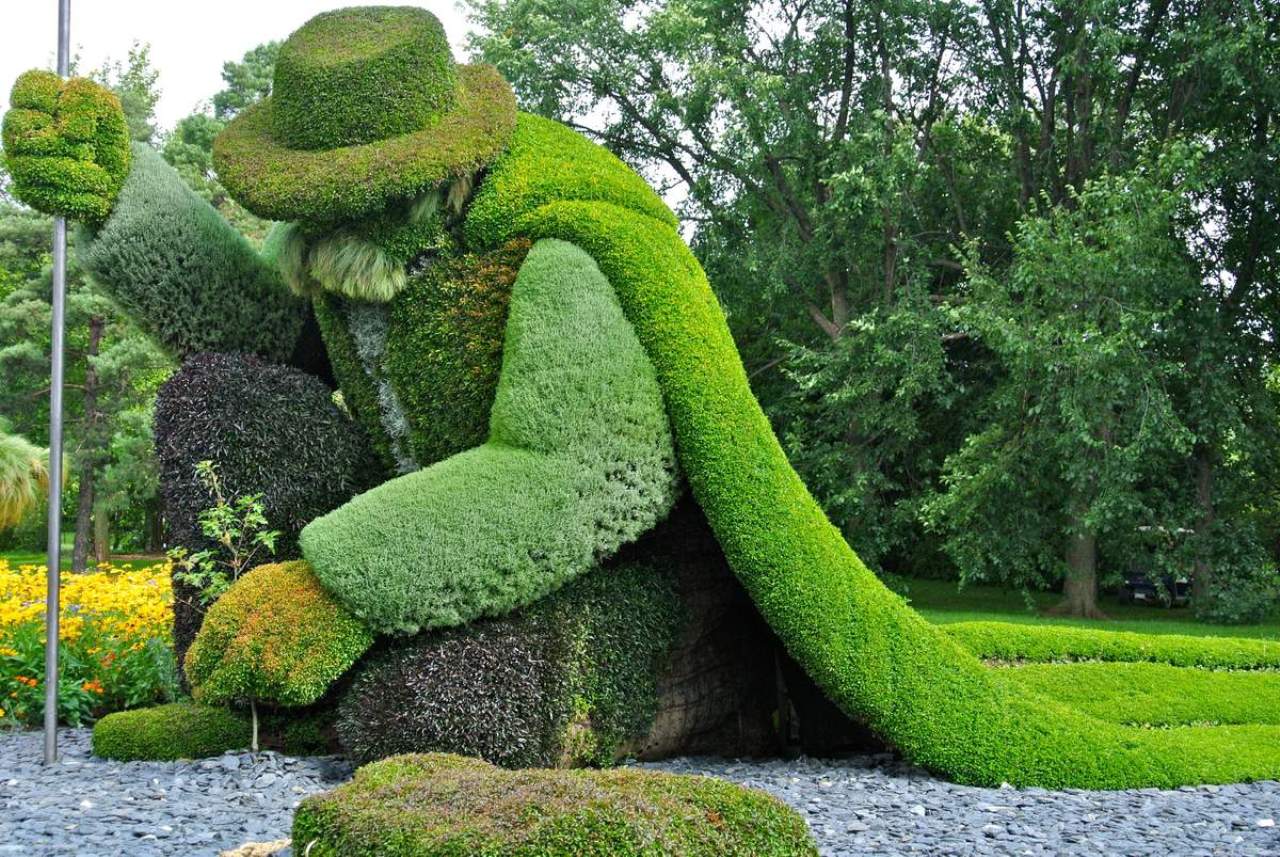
<point>270,429</point>
<point>573,676</point>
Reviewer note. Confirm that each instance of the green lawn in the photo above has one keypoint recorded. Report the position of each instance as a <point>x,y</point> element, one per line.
<point>130,561</point>
<point>940,602</point>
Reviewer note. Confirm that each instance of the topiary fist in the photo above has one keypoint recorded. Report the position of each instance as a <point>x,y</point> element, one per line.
<point>66,145</point>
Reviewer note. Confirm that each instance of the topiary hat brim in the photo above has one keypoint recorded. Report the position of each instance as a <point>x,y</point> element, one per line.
<point>276,182</point>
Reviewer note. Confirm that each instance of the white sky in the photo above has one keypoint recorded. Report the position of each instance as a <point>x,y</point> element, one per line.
<point>190,39</point>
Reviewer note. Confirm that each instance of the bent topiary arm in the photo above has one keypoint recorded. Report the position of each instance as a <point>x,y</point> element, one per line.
<point>579,461</point>
<point>184,274</point>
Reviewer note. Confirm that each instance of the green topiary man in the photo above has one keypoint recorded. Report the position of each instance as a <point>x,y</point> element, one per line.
<point>512,316</point>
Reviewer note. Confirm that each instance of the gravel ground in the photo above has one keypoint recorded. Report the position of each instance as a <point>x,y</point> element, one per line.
<point>865,805</point>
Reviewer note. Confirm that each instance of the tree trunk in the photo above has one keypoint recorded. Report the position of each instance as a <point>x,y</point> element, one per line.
<point>154,525</point>
<point>84,510</point>
<point>1202,571</point>
<point>101,534</point>
<point>1080,589</point>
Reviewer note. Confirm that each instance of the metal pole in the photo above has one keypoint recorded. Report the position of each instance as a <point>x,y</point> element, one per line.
<point>52,597</point>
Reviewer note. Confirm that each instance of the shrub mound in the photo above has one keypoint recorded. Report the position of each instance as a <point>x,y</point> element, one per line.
<point>579,462</point>
<point>274,636</point>
<point>1014,641</point>
<point>271,430</point>
<point>873,656</point>
<point>426,805</point>
<point>180,730</point>
<point>568,680</point>
<point>185,730</point>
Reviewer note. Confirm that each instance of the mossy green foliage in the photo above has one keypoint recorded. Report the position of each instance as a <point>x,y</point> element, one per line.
<point>275,636</point>
<point>547,161</point>
<point>180,730</point>
<point>359,391</point>
<point>578,462</point>
<point>444,348</point>
<point>1147,694</point>
<point>356,75</point>
<point>863,646</point>
<point>188,278</point>
<point>1010,641</point>
<point>329,186</point>
<point>427,805</point>
<point>66,145</point>
<point>570,679</point>
<point>185,730</point>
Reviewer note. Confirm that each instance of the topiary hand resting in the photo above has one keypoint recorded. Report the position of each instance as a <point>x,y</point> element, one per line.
<point>618,379</point>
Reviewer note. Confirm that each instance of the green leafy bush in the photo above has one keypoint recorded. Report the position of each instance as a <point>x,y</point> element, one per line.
<point>878,660</point>
<point>185,730</point>
<point>1010,641</point>
<point>569,679</point>
<point>425,805</point>
<point>578,462</point>
<point>186,277</point>
<point>275,636</point>
<point>66,145</point>
<point>444,348</point>
<point>270,430</point>
<point>1156,694</point>
<point>179,730</point>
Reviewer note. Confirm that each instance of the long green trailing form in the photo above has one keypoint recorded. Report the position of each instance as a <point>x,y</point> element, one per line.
<point>875,657</point>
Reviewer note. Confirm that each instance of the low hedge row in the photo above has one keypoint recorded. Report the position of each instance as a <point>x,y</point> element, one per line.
<point>1011,641</point>
<point>437,805</point>
<point>1149,694</point>
<point>186,730</point>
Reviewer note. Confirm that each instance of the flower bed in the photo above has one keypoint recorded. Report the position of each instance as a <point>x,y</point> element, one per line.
<point>115,645</point>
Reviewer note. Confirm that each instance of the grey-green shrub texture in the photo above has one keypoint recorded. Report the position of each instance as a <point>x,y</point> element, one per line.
<point>188,278</point>
<point>579,461</point>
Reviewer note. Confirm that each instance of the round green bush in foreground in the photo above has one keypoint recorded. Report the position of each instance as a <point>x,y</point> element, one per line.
<point>434,805</point>
<point>180,730</point>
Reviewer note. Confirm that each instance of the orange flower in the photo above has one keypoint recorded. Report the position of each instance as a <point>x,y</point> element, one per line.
<point>93,686</point>
<point>26,679</point>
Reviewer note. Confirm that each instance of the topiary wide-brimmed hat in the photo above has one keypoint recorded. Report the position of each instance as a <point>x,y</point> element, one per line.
<point>367,107</point>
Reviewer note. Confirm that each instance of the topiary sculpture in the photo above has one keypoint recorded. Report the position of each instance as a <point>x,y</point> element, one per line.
<point>619,386</point>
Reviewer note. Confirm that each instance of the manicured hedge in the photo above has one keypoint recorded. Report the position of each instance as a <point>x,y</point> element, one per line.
<point>184,730</point>
<point>569,679</point>
<point>179,730</point>
<point>271,430</point>
<point>1010,641</point>
<point>1156,694</point>
<point>578,462</point>
<point>66,145</point>
<point>869,652</point>
<point>275,637</point>
<point>183,274</point>
<point>444,348</point>
<point>356,75</point>
<point>429,805</point>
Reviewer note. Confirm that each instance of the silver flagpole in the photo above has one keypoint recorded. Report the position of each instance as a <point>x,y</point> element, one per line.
<point>55,440</point>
